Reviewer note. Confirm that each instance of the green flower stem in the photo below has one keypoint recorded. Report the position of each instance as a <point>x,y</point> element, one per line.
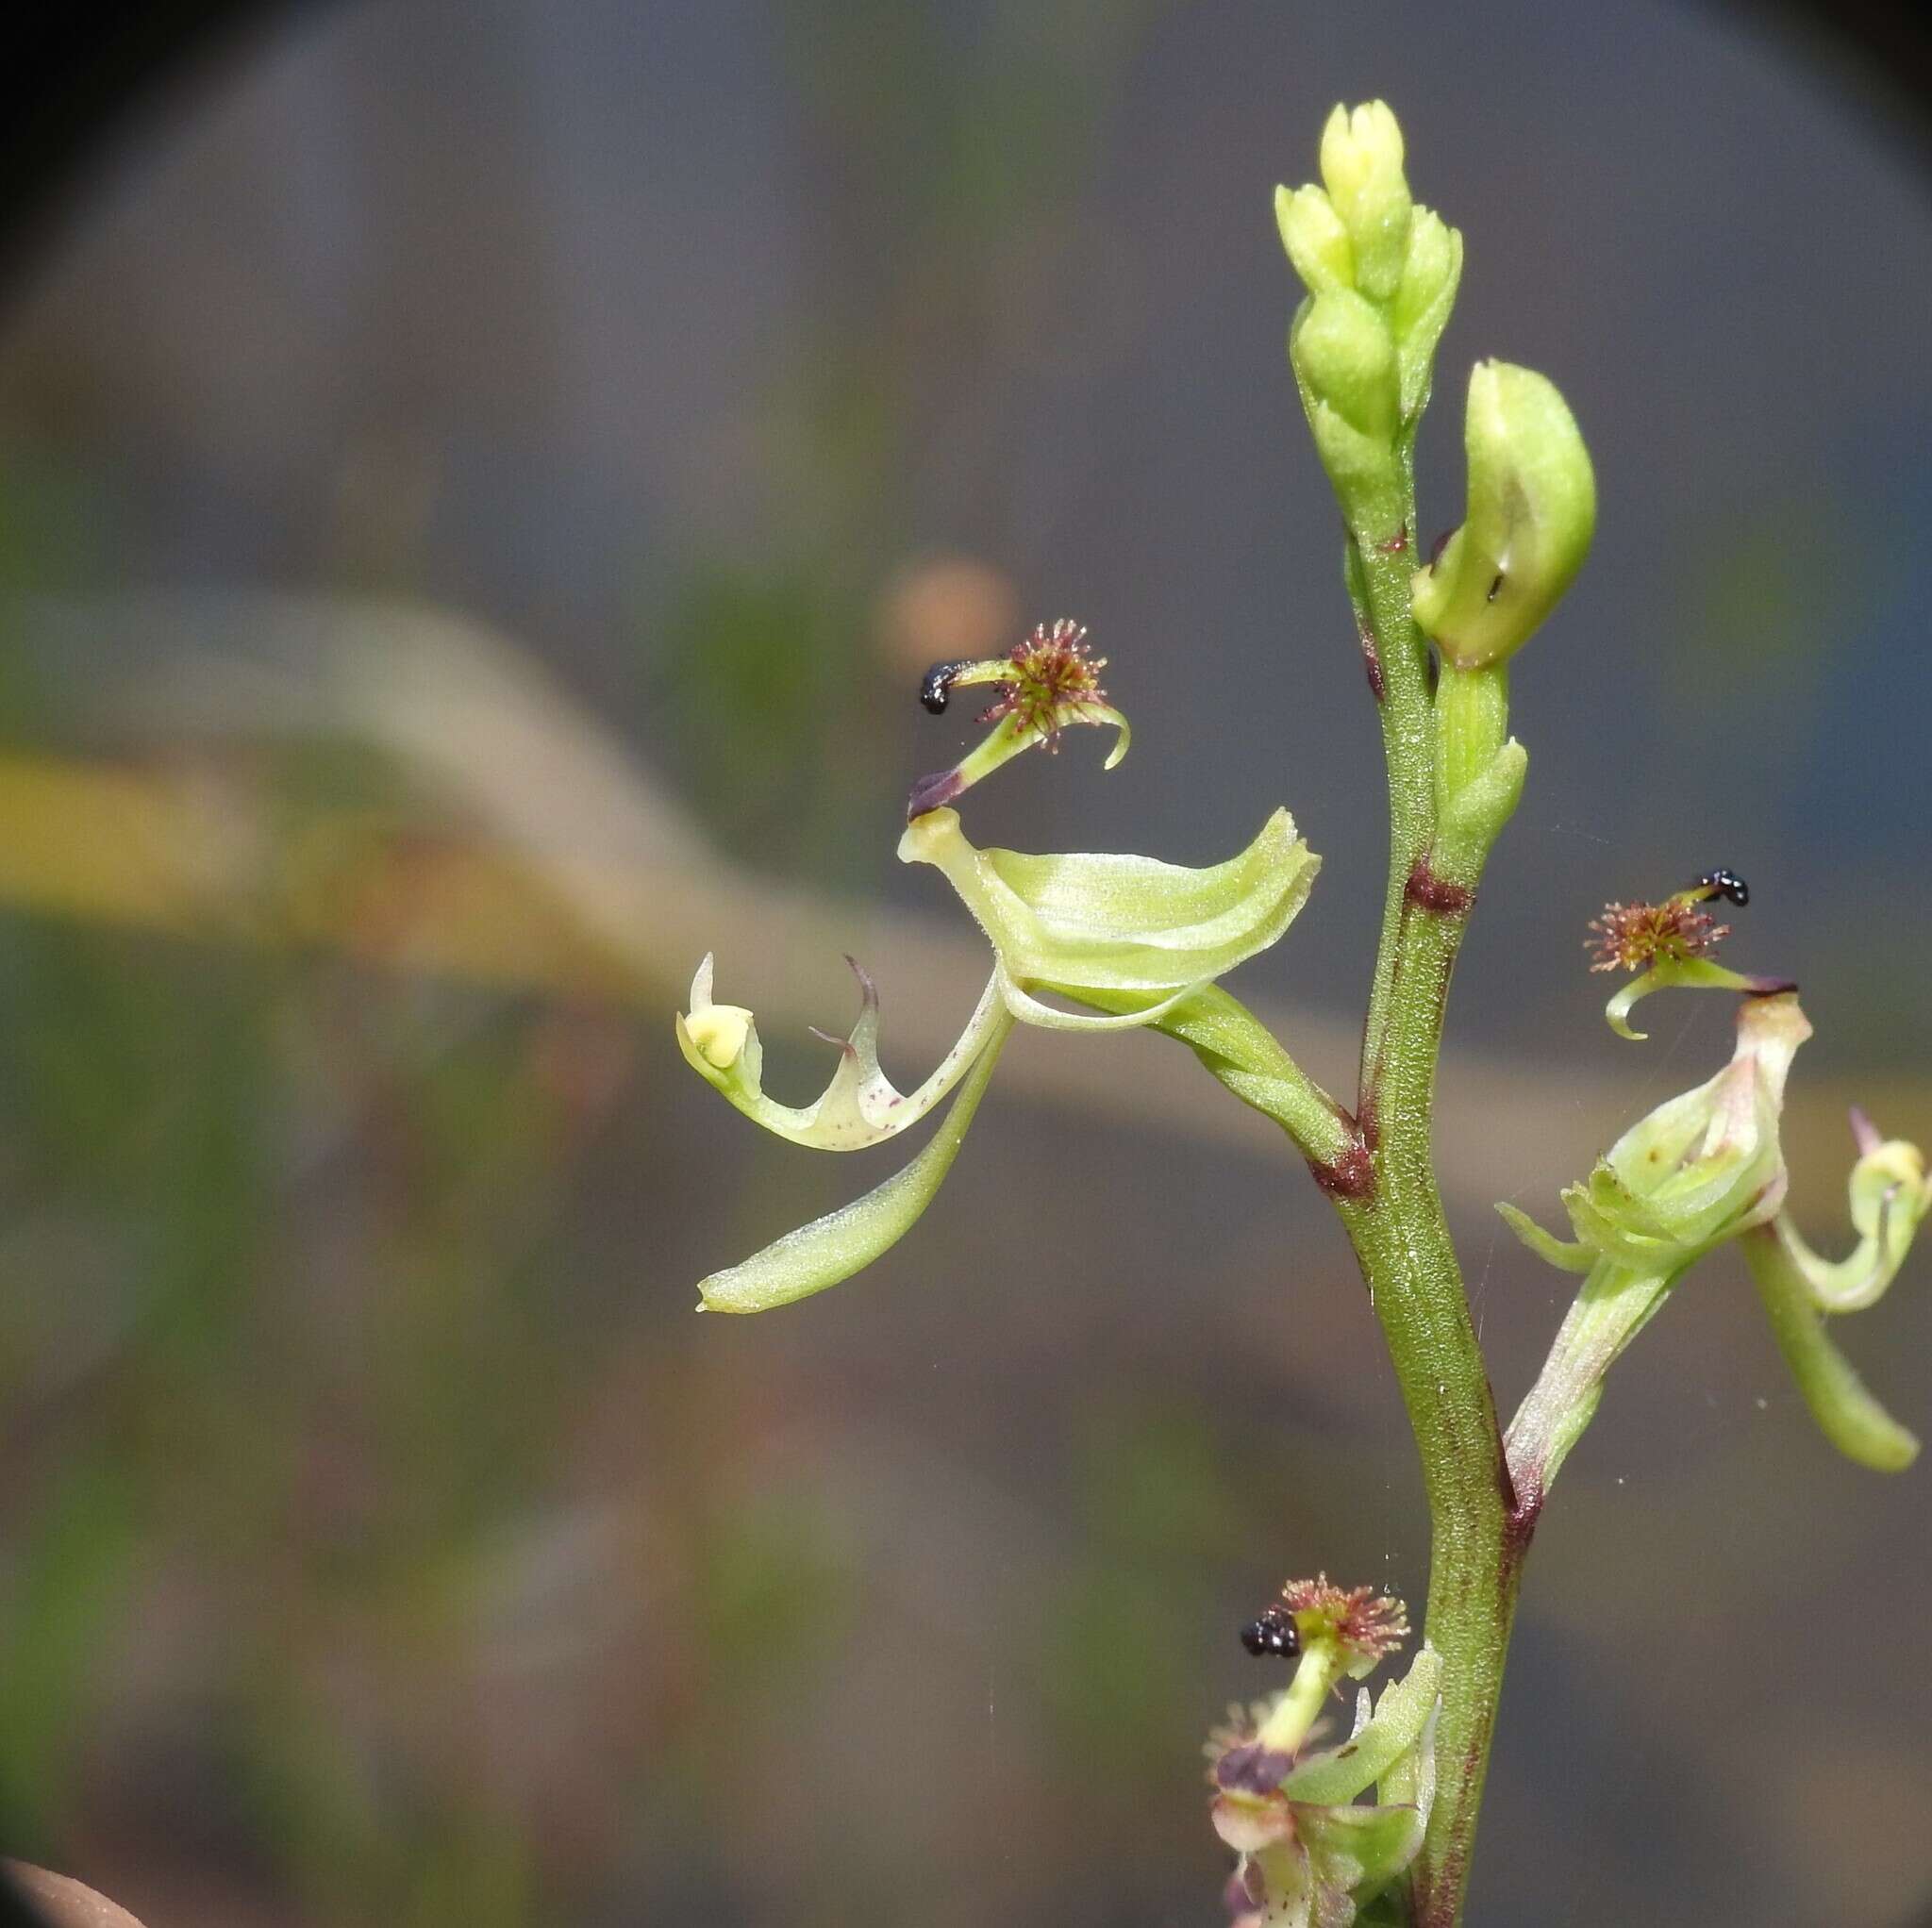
<point>1380,512</point>
<point>1251,1062</point>
<point>1613,1306</point>
<point>1415,1287</point>
<point>1846,1412</point>
<point>1472,721</point>
<point>1392,1209</point>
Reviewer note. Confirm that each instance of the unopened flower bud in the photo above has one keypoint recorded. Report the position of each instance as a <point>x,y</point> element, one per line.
<point>1532,511</point>
<point>1317,242</point>
<point>1344,358</point>
<point>1362,163</point>
<point>1423,302</point>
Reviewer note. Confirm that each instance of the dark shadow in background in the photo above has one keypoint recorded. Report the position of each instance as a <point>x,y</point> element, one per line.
<point>81,77</point>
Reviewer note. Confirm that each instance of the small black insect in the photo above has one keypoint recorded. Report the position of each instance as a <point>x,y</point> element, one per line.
<point>1273,1633</point>
<point>936,687</point>
<point>1726,883</point>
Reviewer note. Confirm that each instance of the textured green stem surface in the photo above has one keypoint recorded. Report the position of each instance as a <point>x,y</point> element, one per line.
<point>1392,1206</point>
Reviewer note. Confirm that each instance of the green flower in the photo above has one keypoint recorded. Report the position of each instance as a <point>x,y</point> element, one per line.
<point>1107,929</point>
<point>1048,682</point>
<point>1313,1852</point>
<point>1699,1170</point>
<point>1703,1169</point>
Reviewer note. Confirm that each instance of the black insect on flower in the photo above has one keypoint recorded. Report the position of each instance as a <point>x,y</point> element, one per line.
<point>1726,883</point>
<point>1273,1632</point>
<point>936,686</point>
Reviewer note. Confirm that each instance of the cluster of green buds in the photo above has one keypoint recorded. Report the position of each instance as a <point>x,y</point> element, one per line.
<point>1313,1852</point>
<point>1704,1168</point>
<point>1131,935</point>
<point>1381,275</point>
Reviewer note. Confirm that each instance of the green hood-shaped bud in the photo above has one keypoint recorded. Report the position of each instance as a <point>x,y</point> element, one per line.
<point>1317,242</point>
<point>1117,923</point>
<point>1532,511</point>
<point>1362,165</point>
<point>1344,357</point>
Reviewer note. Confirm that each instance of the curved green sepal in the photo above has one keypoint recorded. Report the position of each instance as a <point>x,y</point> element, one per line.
<point>831,1249</point>
<point>860,1107</point>
<point>1889,1195</point>
<point>1113,924</point>
<point>1846,1412</point>
<point>1559,1253</point>
<point>1531,514</point>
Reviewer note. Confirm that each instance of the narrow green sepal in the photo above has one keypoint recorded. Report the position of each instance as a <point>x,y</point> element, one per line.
<point>1889,1196</point>
<point>1559,1253</point>
<point>1847,1413</point>
<point>833,1248</point>
<point>1531,514</point>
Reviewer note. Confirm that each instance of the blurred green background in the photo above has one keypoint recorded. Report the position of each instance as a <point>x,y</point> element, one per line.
<point>477,486</point>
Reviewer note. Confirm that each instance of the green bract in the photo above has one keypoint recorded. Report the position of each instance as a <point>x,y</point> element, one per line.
<point>1531,513</point>
<point>1117,923</point>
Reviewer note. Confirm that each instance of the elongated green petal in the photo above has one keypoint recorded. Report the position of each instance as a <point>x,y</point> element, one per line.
<point>1845,1410</point>
<point>860,1107</point>
<point>843,1242</point>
